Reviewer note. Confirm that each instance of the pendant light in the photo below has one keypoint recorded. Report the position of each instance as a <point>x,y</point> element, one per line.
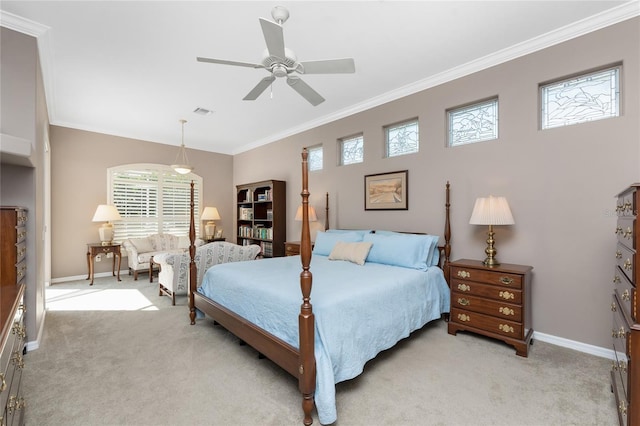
<point>182,162</point>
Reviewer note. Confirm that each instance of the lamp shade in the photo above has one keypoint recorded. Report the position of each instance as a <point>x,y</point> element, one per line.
<point>312,214</point>
<point>491,211</point>
<point>106,213</point>
<point>210,213</point>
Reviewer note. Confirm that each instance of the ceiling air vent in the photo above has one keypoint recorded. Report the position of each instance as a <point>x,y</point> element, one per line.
<point>202,111</point>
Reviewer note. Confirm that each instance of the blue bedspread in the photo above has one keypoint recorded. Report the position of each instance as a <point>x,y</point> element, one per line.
<point>359,310</point>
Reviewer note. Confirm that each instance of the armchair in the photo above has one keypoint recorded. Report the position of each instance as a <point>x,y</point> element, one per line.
<point>174,268</point>
<point>140,250</point>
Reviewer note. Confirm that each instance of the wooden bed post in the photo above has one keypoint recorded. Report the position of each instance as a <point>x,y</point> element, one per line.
<point>193,274</point>
<point>306,320</point>
<point>326,212</point>
<point>447,237</point>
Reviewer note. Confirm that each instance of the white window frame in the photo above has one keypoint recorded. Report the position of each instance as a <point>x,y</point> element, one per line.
<point>313,151</point>
<point>570,94</point>
<point>489,130</point>
<point>357,139</point>
<point>163,219</point>
<point>393,127</point>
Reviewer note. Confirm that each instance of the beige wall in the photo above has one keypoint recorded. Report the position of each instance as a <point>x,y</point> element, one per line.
<point>79,165</point>
<point>560,183</point>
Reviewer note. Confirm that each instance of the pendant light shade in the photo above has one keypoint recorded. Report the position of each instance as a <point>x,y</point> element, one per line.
<point>182,162</point>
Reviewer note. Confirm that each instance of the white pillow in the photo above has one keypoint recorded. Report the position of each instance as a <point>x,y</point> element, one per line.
<point>352,252</point>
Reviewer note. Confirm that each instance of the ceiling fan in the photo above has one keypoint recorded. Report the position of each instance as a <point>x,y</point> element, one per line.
<point>282,62</point>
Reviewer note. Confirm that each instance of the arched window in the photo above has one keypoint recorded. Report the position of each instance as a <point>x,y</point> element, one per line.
<point>152,198</point>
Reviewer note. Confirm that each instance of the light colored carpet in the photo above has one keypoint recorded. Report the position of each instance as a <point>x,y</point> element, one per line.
<point>119,354</point>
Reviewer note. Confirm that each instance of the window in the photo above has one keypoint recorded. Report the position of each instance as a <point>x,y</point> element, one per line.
<point>588,97</point>
<point>402,138</point>
<point>152,198</point>
<point>315,158</point>
<point>473,123</point>
<point>351,150</point>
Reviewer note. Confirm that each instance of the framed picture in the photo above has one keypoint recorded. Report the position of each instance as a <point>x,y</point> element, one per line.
<point>219,233</point>
<point>386,191</point>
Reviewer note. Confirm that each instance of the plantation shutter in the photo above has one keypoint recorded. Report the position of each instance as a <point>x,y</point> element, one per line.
<point>152,199</point>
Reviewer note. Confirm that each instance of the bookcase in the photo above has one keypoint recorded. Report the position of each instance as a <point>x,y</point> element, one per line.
<point>262,215</point>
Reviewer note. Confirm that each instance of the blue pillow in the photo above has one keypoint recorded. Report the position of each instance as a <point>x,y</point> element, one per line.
<point>326,240</point>
<point>433,257</point>
<point>342,231</point>
<point>406,250</point>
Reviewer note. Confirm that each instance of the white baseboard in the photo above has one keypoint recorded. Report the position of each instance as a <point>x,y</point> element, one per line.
<point>577,346</point>
<point>35,344</point>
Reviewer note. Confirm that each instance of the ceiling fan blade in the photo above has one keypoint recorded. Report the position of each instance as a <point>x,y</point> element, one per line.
<point>225,62</point>
<point>305,90</point>
<point>329,66</point>
<point>260,87</point>
<point>274,38</point>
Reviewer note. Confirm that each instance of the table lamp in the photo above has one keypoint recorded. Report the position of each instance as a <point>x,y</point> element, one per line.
<point>312,214</point>
<point>106,213</point>
<point>491,211</point>
<point>210,214</point>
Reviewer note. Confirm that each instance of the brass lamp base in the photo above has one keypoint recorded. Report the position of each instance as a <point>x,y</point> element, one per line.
<point>491,260</point>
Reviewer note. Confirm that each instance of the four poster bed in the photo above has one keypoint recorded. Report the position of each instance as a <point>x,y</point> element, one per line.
<point>360,307</point>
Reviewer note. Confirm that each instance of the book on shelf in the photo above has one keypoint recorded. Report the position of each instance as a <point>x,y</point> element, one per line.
<point>269,214</point>
<point>245,213</point>
<point>267,249</point>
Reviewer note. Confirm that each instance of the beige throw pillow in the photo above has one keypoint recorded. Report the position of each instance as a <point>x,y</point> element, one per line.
<point>352,252</point>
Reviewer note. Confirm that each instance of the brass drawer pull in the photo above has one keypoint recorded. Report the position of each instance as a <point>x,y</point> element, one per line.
<point>627,264</point>
<point>619,334</point>
<point>506,311</point>
<point>616,279</point>
<point>626,296</point>
<point>613,307</point>
<point>464,302</point>
<point>506,328</point>
<point>464,317</point>
<point>507,295</point>
<point>614,366</point>
<point>3,384</point>
<point>628,234</point>
<point>618,230</point>
<point>464,287</point>
<point>506,280</point>
<point>464,274</point>
<point>618,254</point>
<point>622,408</point>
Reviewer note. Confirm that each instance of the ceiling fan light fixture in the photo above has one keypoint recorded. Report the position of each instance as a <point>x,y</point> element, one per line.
<point>181,164</point>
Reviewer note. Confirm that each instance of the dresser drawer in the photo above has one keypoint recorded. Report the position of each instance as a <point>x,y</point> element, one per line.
<point>620,366</point>
<point>21,271</point>
<point>626,292</point>
<point>625,230</point>
<point>626,205</point>
<point>625,259</point>
<point>619,328</point>
<point>484,306</point>
<point>487,323</point>
<point>622,404</point>
<point>487,277</point>
<point>490,291</point>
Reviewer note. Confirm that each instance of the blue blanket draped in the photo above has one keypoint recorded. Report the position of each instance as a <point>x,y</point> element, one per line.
<point>359,310</point>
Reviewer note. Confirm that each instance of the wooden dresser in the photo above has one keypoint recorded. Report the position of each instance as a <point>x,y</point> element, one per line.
<point>13,271</point>
<point>492,301</point>
<point>625,330</point>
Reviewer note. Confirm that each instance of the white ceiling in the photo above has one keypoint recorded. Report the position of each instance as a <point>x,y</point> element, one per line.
<point>129,68</point>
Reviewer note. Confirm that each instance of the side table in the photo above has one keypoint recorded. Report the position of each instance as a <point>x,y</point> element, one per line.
<point>492,301</point>
<point>94,249</point>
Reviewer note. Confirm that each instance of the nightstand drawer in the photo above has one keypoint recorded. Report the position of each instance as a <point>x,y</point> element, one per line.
<point>487,277</point>
<point>488,323</point>
<point>490,307</point>
<point>490,291</point>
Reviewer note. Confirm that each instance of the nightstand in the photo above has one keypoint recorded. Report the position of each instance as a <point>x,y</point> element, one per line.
<point>292,248</point>
<point>492,301</point>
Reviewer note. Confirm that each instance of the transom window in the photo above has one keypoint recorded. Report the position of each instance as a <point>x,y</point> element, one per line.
<point>314,158</point>
<point>402,138</point>
<point>587,97</point>
<point>473,123</point>
<point>151,199</point>
<point>351,150</point>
